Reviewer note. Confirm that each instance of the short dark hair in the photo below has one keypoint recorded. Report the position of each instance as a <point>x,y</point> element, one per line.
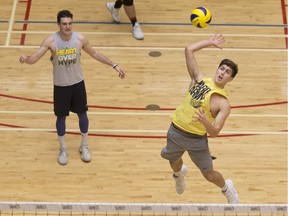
<point>64,13</point>
<point>230,64</point>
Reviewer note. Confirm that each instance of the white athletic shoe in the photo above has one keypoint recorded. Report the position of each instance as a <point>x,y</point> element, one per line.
<point>114,12</point>
<point>85,153</point>
<point>180,181</point>
<point>137,32</point>
<point>63,157</point>
<point>231,193</point>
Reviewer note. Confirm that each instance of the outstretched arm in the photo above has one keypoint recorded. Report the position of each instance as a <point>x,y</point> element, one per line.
<point>191,62</point>
<point>99,56</point>
<point>44,47</point>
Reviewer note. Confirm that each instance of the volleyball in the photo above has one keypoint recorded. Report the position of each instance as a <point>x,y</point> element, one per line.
<point>201,17</point>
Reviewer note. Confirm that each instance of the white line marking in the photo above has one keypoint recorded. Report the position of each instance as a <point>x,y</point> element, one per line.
<point>156,48</point>
<point>11,21</point>
<point>134,131</point>
<point>258,115</point>
<point>148,113</point>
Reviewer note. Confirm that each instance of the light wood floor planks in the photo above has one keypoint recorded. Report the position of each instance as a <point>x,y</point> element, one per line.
<point>126,143</point>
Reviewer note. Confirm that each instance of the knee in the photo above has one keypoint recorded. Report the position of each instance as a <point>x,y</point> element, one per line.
<point>82,115</point>
<point>61,119</point>
<point>83,118</point>
<point>166,155</point>
<point>128,2</point>
<point>163,154</point>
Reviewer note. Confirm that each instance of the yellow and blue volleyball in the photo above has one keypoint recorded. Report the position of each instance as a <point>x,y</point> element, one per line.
<point>201,17</point>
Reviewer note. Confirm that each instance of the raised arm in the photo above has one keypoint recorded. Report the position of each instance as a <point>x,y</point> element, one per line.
<point>99,56</point>
<point>191,62</point>
<point>44,47</point>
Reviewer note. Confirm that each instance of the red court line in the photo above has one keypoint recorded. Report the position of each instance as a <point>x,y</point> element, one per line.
<point>258,105</point>
<point>137,108</point>
<point>25,25</point>
<point>10,126</point>
<point>284,16</point>
<point>25,99</point>
<point>129,136</point>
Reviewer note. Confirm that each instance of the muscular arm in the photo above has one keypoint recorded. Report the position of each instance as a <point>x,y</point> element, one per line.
<point>44,47</point>
<point>93,52</point>
<point>97,55</point>
<point>191,63</point>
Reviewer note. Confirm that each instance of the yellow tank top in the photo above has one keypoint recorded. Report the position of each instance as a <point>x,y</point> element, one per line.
<point>198,96</point>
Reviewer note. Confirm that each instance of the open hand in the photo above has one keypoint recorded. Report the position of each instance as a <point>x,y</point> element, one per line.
<point>217,39</point>
<point>201,117</point>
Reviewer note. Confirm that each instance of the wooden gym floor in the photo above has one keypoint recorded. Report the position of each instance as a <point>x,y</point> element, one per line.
<point>125,138</point>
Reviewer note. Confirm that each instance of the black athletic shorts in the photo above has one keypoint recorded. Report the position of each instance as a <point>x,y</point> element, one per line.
<point>70,98</point>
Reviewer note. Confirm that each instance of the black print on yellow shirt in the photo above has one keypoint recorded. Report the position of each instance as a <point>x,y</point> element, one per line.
<point>198,92</point>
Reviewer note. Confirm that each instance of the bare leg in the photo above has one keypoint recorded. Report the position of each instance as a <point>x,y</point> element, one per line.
<point>130,11</point>
<point>215,177</point>
<point>176,166</point>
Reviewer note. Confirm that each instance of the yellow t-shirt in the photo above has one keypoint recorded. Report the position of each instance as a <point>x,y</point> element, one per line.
<point>198,96</point>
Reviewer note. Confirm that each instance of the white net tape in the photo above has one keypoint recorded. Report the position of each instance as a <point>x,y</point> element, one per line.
<point>145,208</point>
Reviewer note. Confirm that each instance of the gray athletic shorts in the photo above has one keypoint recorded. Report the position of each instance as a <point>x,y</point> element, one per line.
<point>179,141</point>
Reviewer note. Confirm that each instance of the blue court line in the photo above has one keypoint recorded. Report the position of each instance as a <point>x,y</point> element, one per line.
<point>151,23</point>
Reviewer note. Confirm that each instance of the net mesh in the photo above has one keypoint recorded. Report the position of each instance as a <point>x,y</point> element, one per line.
<point>91,209</point>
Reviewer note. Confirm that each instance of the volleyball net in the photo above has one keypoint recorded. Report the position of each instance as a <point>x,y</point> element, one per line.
<point>57,208</point>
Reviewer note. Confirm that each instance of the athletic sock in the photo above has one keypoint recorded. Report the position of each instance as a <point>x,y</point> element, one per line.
<point>84,138</point>
<point>177,174</point>
<point>62,142</point>
<point>133,20</point>
<point>224,189</point>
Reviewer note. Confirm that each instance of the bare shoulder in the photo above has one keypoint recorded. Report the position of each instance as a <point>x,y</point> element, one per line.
<point>48,41</point>
<point>80,35</point>
<point>82,38</point>
<point>220,100</point>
